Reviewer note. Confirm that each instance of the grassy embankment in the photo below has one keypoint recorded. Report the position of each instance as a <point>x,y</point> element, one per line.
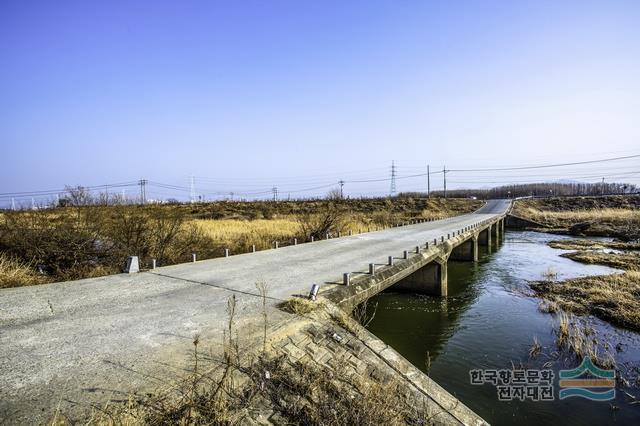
<point>614,216</point>
<point>80,242</point>
<point>616,297</point>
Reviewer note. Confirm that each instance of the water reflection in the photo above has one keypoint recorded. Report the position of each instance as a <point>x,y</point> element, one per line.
<point>488,322</point>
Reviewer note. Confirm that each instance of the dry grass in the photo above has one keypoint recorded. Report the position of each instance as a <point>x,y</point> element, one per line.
<point>300,306</point>
<point>14,273</point>
<point>580,339</point>
<point>624,260</point>
<point>240,235</point>
<point>592,245</point>
<point>535,348</point>
<point>573,216</point>
<point>603,216</point>
<point>614,298</point>
<point>79,242</point>
<point>548,307</point>
<point>550,274</point>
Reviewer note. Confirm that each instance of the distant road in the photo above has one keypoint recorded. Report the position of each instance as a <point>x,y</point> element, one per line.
<point>89,340</point>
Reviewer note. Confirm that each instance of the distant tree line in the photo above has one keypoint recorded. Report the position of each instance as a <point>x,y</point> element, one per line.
<point>537,190</point>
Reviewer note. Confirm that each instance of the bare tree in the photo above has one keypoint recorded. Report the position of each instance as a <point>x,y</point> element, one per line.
<point>78,195</point>
<point>317,225</point>
<point>334,194</point>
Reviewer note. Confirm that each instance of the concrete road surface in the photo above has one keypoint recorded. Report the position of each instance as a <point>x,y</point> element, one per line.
<point>74,343</point>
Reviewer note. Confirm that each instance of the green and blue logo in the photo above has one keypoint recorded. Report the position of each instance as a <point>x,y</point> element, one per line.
<point>596,384</point>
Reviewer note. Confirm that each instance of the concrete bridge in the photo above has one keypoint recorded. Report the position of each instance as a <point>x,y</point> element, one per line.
<point>85,341</point>
<point>423,270</point>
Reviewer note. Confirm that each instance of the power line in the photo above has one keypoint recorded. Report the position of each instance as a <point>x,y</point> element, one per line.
<point>546,165</point>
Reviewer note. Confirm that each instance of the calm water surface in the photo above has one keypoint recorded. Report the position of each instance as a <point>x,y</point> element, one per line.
<point>489,321</point>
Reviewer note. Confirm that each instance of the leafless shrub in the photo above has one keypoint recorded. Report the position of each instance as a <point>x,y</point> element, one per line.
<point>318,224</point>
<point>80,242</point>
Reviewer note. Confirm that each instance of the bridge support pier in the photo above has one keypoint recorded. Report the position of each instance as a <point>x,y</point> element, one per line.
<point>484,237</point>
<point>431,279</point>
<point>468,250</point>
<point>495,233</point>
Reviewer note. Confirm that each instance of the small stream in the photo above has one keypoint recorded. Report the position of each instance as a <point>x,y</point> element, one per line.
<point>489,321</point>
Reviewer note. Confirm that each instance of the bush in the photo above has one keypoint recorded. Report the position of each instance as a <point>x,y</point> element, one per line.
<point>81,242</point>
<point>317,225</point>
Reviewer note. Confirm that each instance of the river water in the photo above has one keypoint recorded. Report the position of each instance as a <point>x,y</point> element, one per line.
<point>489,321</point>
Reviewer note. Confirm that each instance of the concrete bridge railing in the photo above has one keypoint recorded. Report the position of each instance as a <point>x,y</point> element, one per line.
<point>422,270</point>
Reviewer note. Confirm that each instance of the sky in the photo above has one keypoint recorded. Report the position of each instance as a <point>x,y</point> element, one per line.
<point>247,95</point>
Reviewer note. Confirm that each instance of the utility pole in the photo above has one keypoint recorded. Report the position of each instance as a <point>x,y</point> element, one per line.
<point>428,183</point>
<point>602,187</point>
<point>143,191</point>
<point>192,194</point>
<point>341,182</point>
<point>275,193</point>
<point>444,177</point>
<point>13,203</point>
<point>393,178</point>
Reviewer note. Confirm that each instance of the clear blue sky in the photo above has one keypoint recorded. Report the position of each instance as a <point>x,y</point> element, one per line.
<point>252,94</point>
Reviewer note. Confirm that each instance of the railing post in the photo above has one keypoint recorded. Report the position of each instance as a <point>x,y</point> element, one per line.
<point>314,291</point>
<point>346,278</point>
<point>133,265</point>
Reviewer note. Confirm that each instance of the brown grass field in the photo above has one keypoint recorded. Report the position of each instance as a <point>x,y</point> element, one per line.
<point>614,216</point>
<point>80,242</point>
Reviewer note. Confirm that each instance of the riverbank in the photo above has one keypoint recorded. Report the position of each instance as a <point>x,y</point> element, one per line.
<point>614,298</point>
<point>616,216</point>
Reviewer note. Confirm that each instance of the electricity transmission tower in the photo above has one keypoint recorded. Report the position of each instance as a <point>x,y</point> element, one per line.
<point>275,193</point>
<point>341,182</point>
<point>143,191</point>
<point>392,190</point>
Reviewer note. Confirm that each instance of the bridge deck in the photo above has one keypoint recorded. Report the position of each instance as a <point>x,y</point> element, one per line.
<point>117,333</point>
